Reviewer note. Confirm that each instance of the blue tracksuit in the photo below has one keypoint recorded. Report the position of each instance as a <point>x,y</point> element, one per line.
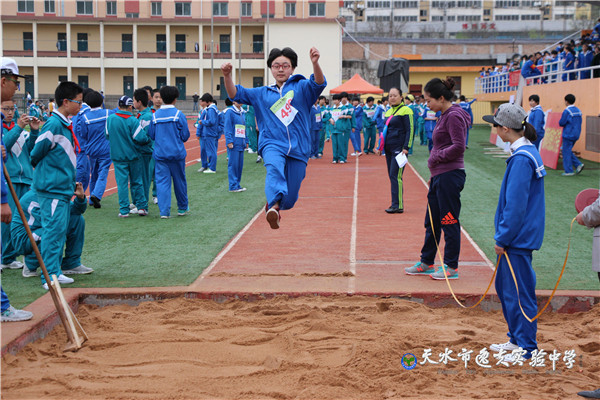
<point>83,162</point>
<point>211,133</point>
<point>53,157</point>
<point>570,120</point>
<point>585,60</point>
<point>529,69</point>
<point>355,135</point>
<point>537,118</point>
<point>234,125</point>
<point>74,239</point>
<point>429,124</point>
<point>200,135</point>
<point>283,116</point>
<point>466,105</point>
<point>92,130</point>
<point>568,65</point>
<point>18,143</point>
<point>169,130</point>
<point>315,130</point>
<point>379,118</point>
<point>146,151</point>
<point>519,225</point>
<point>3,200</point>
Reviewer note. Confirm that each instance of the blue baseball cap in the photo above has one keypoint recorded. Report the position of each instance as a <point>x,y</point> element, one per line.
<point>125,101</point>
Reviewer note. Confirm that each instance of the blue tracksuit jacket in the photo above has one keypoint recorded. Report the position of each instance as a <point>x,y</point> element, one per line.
<point>289,129</point>
<point>19,143</point>
<point>537,118</point>
<point>358,116</point>
<point>520,215</point>
<point>234,125</point>
<point>92,130</point>
<point>210,122</point>
<point>570,120</point>
<point>169,130</point>
<point>379,118</point>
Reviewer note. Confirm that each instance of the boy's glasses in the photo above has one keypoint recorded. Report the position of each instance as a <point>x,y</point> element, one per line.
<point>7,109</point>
<point>281,66</point>
<point>16,81</point>
<point>75,101</point>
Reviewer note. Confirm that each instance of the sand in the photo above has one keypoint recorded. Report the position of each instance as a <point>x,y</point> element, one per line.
<point>303,348</point>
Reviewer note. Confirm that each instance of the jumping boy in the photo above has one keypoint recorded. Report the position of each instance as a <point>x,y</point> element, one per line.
<point>123,134</point>
<point>169,130</point>
<point>54,160</point>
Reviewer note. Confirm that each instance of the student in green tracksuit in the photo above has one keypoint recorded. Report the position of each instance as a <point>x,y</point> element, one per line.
<point>345,102</point>
<point>250,123</point>
<point>369,125</point>
<point>341,120</point>
<point>53,157</point>
<point>325,117</point>
<point>18,143</point>
<point>140,102</point>
<point>123,134</point>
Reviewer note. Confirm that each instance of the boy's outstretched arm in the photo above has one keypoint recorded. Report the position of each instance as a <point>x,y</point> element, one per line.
<point>317,71</point>
<point>226,69</point>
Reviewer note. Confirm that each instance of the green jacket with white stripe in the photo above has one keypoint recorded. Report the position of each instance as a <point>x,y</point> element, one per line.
<point>18,143</point>
<point>54,160</point>
<point>124,136</point>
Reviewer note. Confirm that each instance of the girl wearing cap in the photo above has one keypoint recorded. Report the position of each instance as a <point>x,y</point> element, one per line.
<point>283,116</point>
<point>447,167</point>
<point>519,224</point>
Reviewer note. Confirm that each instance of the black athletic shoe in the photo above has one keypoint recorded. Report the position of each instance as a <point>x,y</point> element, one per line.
<point>95,201</point>
<point>593,394</point>
<point>394,210</point>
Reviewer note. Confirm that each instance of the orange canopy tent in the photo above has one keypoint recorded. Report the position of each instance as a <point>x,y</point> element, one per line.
<point>357,85</point>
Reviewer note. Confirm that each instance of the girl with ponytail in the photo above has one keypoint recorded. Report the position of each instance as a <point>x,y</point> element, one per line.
<point>519,224</point>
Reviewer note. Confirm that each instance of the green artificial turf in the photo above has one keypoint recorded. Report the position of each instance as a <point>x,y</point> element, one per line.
<point>149,251</point>
<point>480,197</point>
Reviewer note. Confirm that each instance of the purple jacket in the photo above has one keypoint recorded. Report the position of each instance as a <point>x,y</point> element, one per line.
<point>449,141</point>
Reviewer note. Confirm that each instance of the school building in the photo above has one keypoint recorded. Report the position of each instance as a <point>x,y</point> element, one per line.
<point>117,46</point>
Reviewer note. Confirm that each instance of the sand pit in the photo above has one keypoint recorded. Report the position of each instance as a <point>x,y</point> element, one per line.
<point>304,348</point>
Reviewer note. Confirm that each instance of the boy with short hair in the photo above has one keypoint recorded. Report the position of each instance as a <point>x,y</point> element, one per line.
<point>169,130</point>
<point>235,139</point>
<point>123,134</point>
<point>571,122</point>
<point>369,125</point>
<point>210,131</point>
<point>140,103</point>
<point>355,134</point>
<point>54,159</point>
<point>537,118</point>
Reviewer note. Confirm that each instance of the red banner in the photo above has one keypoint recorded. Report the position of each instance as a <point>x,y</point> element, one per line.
<point>513,78</point>
<point>550,147</point>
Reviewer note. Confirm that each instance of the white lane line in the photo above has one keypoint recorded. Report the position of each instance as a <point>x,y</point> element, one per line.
<point>352,280</point>
<point>469,238</point>
<point>227,248</point>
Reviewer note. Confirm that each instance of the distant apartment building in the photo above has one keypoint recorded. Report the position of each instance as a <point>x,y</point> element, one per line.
<point>119,45</point>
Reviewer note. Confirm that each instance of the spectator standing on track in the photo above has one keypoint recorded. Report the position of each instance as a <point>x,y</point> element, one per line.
<point>369,125</point>
<point>235,139</point>
<point>210,132</point>
<point>195,99</point>
<point>466,105</point>
<point>283,115</point>
<point>447,167</point>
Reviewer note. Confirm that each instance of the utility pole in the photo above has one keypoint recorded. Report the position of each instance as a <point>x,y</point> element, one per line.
<point>445,18</point>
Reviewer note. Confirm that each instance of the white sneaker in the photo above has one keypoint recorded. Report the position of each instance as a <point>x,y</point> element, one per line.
<point>62,279</point>
<point>251,151</point>
<point>27,273</point>
<point>11,314</point>
<point>353,154</point>
<point>142,213</point>
<point>202,169</point>
<point>80,270</point>
<point>209,171</point>
<point>164,217</point>
<point>13,265</point>
<point>508,346</point>
<point>133,210</point>
<point>238,190</point>
<point>155,200</point>
<point>123,215</point>
<point>131,206</point>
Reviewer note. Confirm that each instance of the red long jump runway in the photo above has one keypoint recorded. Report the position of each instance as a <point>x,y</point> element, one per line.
<point>338,239</point>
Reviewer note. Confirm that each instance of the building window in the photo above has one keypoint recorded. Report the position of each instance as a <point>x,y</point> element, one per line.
<point>405,18</point>
<point>423,13</point>
<point>180,43</point>
<point>220,9</point>
<point>487,12</point>
<point>161,43</point>
<point>25,6</point>
<point>257,81</point>
<point>127,42</point>
<point>246,9</point>
<point>85,7</point>
<point>183,9</point>
<point>506,17</point>
<point>82,41</point>
<point>406,4</point>
<point>290,9</point>
<point>62,78</point>
<point>132,15</point>
<point>471,18</point>
<point>258,43</point>
<point>111,8</point>
<point>49,7</point>
<point>529,17</point>
<point>469,3</point>
<point>378,4</point>
<point>378,18</point>
<point>61,43</point>
<point>317,9</point>
<point>224,44</point>
<point>507,4</point>
<point>156,9</point>
<point>83,81</point>
<point>27,40</point>
<point>443,4</point>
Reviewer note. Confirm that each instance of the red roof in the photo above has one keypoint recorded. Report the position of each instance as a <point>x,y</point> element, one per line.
<point>356,85</point>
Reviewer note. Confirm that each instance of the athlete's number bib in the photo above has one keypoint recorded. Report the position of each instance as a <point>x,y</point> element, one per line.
<point>240,131</point>
<point>430,114</point>
<point>336,113</point>
<point>370,113</point>
<point>284,110</point>
<point>318,117</point>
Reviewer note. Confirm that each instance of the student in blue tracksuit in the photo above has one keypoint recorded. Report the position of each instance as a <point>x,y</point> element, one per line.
<point>537,118</point>
<point>369,125</point>
<point>570,120</point>
<point>466,105</point>
<point>315,130</point>
<point>283,115</point>
<point>18,144</point>
<point>169,130</point>
<point>209,122</point>
<point>519,225</point>
<point>54,159</point>
<point>123,131</point>
<point>83,162</point>
<point>380,115</point>
<point>93,133</point>
<point>74,240</point>
<point>140,103</point>
<point>409,101</point>
<point>430,119</point>
<point>200,135</point>
<point>325,116</point>
<point>236,141</point>
<point>355,135</point>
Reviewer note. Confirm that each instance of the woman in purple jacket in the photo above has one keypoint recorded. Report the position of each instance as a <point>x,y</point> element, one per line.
<point>447,167</point>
